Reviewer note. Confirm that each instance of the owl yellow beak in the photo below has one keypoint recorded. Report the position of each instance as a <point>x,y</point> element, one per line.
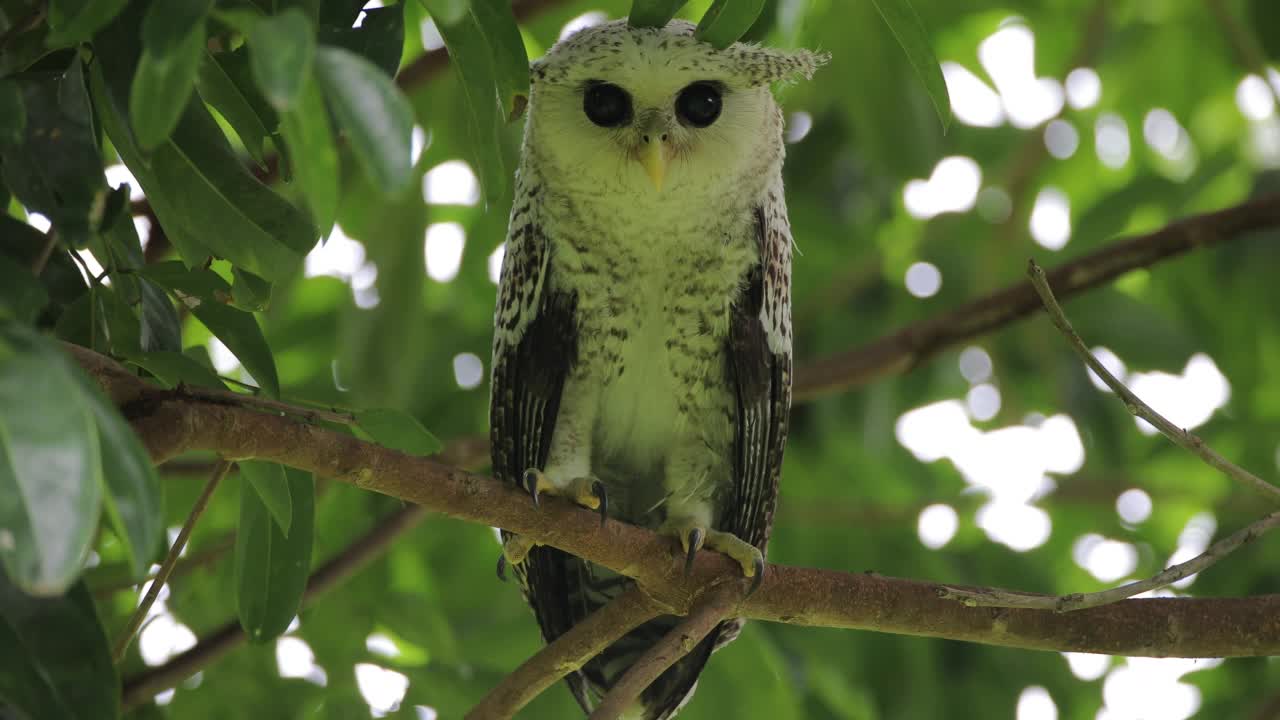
<point>653,157</point>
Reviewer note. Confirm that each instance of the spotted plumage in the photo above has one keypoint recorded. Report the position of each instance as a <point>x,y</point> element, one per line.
<point>642,332</point>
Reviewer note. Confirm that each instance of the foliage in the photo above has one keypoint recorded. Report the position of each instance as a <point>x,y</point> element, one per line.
<point>255,128</point>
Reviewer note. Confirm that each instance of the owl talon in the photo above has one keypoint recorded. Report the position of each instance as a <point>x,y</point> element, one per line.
<point>597,489</point>
<point>758,578</point>
<point>693,542</point>
<point>502,567</point>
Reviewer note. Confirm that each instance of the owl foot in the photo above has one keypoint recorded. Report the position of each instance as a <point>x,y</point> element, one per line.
<point>693,538</point>
<point>585,491</point>
<point>514,550</point>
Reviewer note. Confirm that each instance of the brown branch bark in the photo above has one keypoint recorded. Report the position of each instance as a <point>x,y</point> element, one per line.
<point>1217,627</point>
<point>917,343</point>
<point>680,641</point>
<point>567,653</point>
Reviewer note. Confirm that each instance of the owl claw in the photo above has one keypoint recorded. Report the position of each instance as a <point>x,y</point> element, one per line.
<point>693,543</point>
<point>502,567</point>
<point>597,488</point>
<point>758,578</point>
<point>530,481</point>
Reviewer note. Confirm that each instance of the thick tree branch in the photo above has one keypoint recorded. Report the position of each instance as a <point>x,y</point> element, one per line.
<point>917,343</point>
<point>566,654</point>
<point>678,642</point>
<point>1217,627</point>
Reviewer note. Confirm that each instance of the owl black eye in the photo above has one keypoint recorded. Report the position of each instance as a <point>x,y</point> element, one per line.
<point>606,104</point>
<point>699,104</point>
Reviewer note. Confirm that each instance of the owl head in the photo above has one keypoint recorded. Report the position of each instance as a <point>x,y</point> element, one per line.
<point>620,109</point>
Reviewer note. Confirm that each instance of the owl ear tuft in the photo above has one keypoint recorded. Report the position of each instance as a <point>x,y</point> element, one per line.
<point>765,66</point>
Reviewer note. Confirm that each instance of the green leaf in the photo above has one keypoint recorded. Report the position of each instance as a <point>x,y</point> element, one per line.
<point>160,328</point>
<point>205,293</point>
<point>133,497</point>
<point>268,480</point>
<point>173,43</point>
<point>398,430</point>
<point>21,294</point>
<point>510,62</point>
<point>60,278</point>
<point>379,38</point>
<point>727,20</point>
<point>470,53</point>
<point>313,154</point>
<point>62,644</point>
<point>205,199</point>
<point>282,49</point>
<point>375,115</point>
<point>448,12</point>
<point>172,368</point>
<point>250,292</point>
<point>910,33</point>
<point>271,569</point>
<point>218,88</point>
<point>13,113</point>
<point>50,469</point>
<point>653,13</point>
<point>56,169</point>
<point>75,21</point>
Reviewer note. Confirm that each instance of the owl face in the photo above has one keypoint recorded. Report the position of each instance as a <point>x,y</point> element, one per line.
<point>650,112</point>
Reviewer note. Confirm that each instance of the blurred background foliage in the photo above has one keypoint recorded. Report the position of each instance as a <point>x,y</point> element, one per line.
<point>1000,463</point>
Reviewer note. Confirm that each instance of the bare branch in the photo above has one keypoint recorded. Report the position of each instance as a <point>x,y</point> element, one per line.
<point>171,559</point>
<point>311,414</point>
<point>1135,405</point>
<point>568,653</point>
<point>1218,627</point>
<point>680,641</point>
<point>913,345</point>
<point>991,597</point>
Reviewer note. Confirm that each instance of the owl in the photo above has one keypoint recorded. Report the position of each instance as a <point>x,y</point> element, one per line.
<point>642,341</point>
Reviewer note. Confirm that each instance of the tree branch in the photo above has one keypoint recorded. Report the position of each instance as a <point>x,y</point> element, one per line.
<point>680,641</point>
<point>913,345</point>
<point>566,654</point>
<point>1217,627</point>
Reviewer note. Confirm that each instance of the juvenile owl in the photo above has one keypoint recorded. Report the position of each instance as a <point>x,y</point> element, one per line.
<point>642,344</point>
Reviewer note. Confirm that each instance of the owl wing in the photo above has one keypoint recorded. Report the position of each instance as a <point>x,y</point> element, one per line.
<point>534,346</point>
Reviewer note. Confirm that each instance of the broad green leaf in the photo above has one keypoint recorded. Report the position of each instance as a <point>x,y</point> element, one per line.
<point>133,498</point>
<point>205,199</point>
<point>910,33</point>
<point>268,480</point>
<point>65,650</point>
<point>448,12</point>
<point>470,54</point>
<point>173,43</point>
<point>205,294</point>
<point>271,569</point>
<point>313,154</point>
<point>653,13</point>
<point>172,368</point>
<point>220,90</point>
<point>160,328</point>
<point>282,49</point>
<point>61,277</point>
<point>117,322</point>
<point>379,38</point>
<point>374,114</point>
<point>250,292</point>
<point>56,169</point>
<point>75,21</point>
<point>22,297</point>
<point>398,430</point>
<point>506,47</point>
<point>50,469</point>
<point>13,113</point>
<point>728,20</point>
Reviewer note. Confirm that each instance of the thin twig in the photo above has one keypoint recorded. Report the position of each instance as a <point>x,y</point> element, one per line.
<point>153,591</point>
<point>567,653</point>
<point>140,688</point>
<point>1244,44</point>
<point>46,252</point>
<point>992,597</point>
<point>205,556</point>
<point>680,641</point>
<point>257,401</point>
<point>1135,405</point>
